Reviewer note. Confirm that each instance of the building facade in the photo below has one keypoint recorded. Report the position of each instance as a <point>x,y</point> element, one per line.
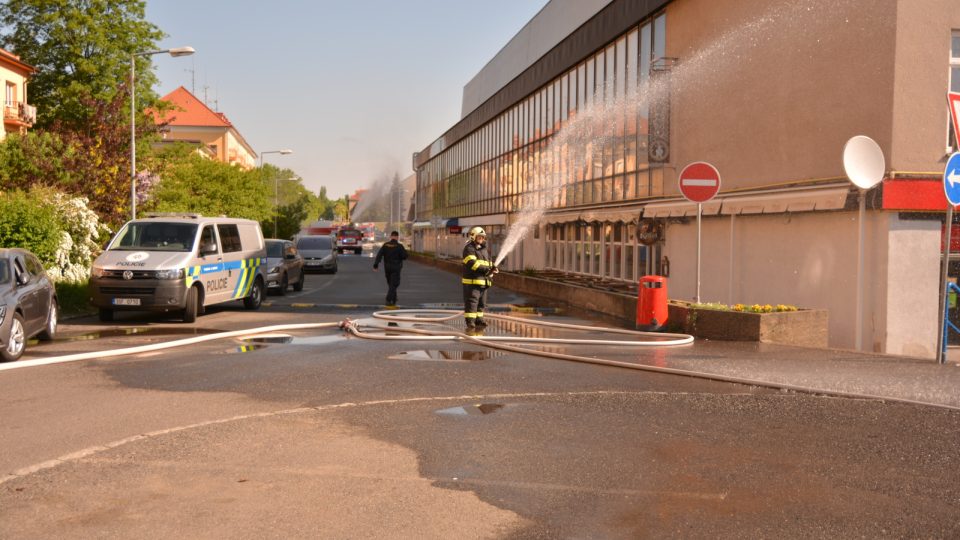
<point>18,114</point>
<point>191,121</point>
<point>581,134</point>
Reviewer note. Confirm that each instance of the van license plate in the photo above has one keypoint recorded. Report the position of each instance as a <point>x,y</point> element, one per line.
<point>126,301</point>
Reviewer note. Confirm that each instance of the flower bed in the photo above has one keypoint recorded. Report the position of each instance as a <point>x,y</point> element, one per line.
<point>770,324</point>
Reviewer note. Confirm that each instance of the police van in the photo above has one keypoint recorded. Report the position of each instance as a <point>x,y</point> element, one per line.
<point>180,262</point>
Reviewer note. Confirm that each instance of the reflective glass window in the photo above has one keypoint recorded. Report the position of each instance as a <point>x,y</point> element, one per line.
<point>564,96</point>
<point>588,84</point>
<point>660,36</point>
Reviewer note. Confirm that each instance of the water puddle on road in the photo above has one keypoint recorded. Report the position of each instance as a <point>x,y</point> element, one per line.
<point>121,332</point>
<point>321,340</point>
<point>246,348</point>
<point>269,339</point>
<point>479,409</point>
<point>259,342</point>
<point>445,356</point>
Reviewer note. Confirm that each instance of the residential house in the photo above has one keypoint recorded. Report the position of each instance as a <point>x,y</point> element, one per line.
<point>192,121</point>
<point>17,114</point>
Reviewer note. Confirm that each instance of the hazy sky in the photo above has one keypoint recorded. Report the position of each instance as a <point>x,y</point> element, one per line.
<point>353,88</point>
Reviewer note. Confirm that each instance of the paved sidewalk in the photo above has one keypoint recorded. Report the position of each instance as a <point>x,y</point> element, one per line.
<point>827,371</point>
<point>821,370</point>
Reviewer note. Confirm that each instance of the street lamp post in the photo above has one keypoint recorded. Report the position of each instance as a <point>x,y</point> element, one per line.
<point>177,51</point>
<point>276,181</point>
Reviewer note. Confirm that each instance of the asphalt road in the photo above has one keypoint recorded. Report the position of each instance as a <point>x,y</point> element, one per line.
<point>334,436</point>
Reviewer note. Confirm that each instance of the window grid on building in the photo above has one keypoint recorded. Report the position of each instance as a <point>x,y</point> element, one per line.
<point>520,157</point>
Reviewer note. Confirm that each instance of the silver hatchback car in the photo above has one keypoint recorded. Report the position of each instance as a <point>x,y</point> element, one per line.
<point>284,266</point>
<point>319,252</point>
<point>28,302</point>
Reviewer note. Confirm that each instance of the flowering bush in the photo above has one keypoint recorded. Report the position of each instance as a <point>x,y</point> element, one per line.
<point>742,308</point>
<point>766,308</point>
<point>80,238</point>
<point>59,229</point>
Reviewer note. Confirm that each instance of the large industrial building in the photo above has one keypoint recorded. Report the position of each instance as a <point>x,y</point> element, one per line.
<point>587,115</point>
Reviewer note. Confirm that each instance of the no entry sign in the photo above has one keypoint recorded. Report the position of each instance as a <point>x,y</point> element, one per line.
<point>699,182</point>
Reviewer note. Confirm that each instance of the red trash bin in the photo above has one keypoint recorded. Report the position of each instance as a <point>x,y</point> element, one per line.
<point>652,303</point>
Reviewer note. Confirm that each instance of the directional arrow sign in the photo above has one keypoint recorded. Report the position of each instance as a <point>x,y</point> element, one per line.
<point>951,179</point>
<point>699,182</point>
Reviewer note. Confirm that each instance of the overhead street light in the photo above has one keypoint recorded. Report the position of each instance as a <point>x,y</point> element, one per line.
<point>284,152</point>
<point>276,181</point>
<point>175,52</point>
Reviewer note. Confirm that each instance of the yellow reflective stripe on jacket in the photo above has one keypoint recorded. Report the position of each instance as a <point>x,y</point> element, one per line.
<point>481,281</point>
<point>468,258</point>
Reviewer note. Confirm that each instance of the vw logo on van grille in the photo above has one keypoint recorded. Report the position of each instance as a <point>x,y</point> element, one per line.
<point>127,274</point>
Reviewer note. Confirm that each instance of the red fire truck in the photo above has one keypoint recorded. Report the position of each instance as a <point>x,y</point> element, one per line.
<point>350,238</point>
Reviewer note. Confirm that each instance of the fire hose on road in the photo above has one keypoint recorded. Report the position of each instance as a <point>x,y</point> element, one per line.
<point>392,330</point>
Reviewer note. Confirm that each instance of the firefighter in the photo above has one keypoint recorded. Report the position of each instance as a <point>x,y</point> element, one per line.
<point>478,270</point>
<point>392,254</point>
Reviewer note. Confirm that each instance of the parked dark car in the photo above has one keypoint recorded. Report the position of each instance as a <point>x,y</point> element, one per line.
<point>319,253</point>
<point>28,302</point>
<point>284,266</point>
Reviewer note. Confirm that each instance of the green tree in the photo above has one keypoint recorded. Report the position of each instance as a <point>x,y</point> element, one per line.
<point>90,160</point>
<point>81,49</point>
<point>195,184</point>
<point>292,202</point>
<point>28,222</point>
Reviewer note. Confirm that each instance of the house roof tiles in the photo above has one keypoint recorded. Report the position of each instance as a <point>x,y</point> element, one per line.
<point>190,111</point>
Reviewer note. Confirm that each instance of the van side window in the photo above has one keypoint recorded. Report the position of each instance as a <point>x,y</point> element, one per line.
<point>207,237</point>
<point>230,238</point>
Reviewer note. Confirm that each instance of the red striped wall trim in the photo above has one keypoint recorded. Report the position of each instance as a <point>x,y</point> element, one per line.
<point>915,194</point>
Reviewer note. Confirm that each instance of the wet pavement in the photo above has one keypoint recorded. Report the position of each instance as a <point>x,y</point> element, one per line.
<point>818,371</point>
<point>289,433</point>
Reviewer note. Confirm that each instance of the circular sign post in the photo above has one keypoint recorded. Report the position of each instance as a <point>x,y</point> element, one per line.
<point>951,189</point>
<point>699,182</point>
<point>865,166</point>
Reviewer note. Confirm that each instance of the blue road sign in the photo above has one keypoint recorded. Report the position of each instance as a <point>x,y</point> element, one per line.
<point>951,179</point>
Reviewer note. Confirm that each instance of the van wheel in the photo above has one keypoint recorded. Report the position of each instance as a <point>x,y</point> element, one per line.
<point>299,285</point>
<point>16,341</point>
<point>256,295</point>
<point>190,311</point>
<point>106,315</point>
<point>50,330</point>
<point>284,283</point>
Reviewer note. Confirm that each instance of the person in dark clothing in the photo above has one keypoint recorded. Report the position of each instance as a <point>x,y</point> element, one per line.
<point>478,269</point>
<point>392,254</point>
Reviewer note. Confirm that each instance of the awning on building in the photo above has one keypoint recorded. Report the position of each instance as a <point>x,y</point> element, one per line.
<point>680,208</point>
<point>602,215</point>
<point>787,201</point>
<point>564,217</point>
<point>626,215</point>
<point>440,224</point>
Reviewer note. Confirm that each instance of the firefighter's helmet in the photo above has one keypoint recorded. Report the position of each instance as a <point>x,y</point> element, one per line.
<point>475,232</point>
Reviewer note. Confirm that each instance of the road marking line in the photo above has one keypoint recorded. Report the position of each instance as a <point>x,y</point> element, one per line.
<point>93,450</point>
